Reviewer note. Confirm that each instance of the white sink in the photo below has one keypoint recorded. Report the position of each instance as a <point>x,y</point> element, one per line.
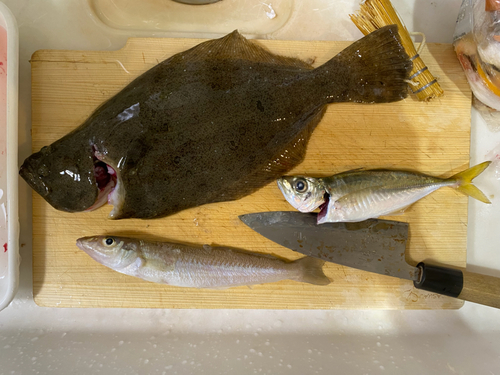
<point>130,341</point>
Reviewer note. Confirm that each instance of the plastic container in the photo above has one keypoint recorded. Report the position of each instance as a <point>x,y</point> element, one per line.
<point>248,16</point>
<point>9,218</point>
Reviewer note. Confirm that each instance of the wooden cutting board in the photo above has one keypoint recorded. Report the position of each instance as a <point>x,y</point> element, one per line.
<point>429,137</point>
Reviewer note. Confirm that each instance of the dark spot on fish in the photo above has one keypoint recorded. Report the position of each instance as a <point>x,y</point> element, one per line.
<point>177,159</point>
<point>260,107</point>
<point>233,145</point>
<point>43,170</point>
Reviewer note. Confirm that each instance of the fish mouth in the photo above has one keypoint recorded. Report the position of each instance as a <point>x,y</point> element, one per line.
<point>106,179</point>
<point>323,209</point>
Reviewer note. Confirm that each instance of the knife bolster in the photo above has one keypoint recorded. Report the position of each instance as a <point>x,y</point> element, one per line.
<point>441,280</point>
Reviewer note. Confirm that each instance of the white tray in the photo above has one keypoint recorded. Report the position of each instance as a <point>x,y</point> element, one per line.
<point>9,218</point>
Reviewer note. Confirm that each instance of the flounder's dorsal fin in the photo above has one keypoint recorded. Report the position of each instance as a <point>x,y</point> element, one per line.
<point>235,46</point>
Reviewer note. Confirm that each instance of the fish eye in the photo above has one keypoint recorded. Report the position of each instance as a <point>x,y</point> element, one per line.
<point>300,185</point>
<point>109,241</point>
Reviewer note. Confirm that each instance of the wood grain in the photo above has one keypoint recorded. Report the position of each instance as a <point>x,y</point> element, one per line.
<point>483,289</point>
<point>429,137</point>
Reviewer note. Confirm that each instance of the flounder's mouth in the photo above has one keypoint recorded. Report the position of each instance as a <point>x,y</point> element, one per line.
<point>323,209</point>
<point>106,179</point>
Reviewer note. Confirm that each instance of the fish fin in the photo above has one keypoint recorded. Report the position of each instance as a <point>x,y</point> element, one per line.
<point>236,46</point>
<point>287,159</point>
<point>465,185</point>
<point>373,69</point>
<point>312,271</point>
<point>282,161</point>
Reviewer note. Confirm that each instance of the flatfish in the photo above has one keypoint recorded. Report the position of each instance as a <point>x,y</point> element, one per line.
<point>214,123</point>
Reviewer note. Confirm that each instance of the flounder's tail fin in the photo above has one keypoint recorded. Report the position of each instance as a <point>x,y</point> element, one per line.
<point>464,182</point>
<point>375,69</point>
<point>311,271</point>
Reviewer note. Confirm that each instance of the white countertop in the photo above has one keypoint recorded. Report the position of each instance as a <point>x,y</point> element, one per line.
<point>129,341</point>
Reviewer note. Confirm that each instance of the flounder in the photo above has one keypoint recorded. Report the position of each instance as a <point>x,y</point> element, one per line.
<point>214,123</point>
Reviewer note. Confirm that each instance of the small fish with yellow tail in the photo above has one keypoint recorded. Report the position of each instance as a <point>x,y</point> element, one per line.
<point>197,267</point>
<point>364,194</point>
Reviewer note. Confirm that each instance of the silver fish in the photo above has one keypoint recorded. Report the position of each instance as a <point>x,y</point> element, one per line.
<point>363,194</point>
<point>303,193</point>
<point>197,267</point>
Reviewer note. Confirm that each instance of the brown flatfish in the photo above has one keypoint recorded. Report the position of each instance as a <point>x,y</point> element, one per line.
<point>214,123</point>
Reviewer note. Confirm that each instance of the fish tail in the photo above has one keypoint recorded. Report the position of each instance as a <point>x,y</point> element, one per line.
<point>464,182</point>
<point>375,69</point>
<point>312,271</point>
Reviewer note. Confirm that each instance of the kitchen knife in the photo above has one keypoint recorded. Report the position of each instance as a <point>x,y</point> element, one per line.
<point>374,246</point>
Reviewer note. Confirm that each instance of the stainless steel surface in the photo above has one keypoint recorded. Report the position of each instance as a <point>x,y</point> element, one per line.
<point>372,245</point>
<point>278,342</point>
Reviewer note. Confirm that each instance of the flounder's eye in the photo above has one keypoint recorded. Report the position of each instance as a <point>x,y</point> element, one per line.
<point>109,241</point>
<point>300,185</point>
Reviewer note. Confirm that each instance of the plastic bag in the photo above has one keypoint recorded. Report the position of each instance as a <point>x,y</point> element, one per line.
<point>477,44</point>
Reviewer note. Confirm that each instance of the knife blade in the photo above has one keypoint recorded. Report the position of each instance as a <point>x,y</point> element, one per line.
<point>375,246</point>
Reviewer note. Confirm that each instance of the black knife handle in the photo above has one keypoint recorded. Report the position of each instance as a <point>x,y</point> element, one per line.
<point>468,286</point>
<point>441,280</point>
